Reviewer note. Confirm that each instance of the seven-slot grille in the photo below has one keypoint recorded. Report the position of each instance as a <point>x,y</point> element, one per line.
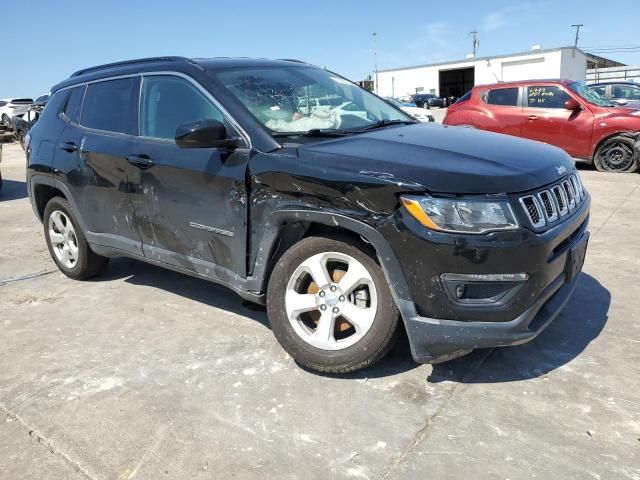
<point>549,205</point>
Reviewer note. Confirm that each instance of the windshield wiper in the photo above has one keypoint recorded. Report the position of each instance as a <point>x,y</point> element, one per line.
<point>385,123</point>
<point>315,132</point>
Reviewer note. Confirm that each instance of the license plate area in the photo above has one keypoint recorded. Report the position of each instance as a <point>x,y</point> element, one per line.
<point>575,258</point>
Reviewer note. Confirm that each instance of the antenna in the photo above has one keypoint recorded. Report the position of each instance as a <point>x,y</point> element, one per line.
<point>375,62</point>
<point>577,27</point>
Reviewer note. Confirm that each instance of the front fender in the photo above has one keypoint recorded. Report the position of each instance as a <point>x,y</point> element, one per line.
<point>388,261</point>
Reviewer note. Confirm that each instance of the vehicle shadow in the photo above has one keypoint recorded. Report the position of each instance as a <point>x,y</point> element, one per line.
<point>580,322</point>
<point>208,293</point>
<point>13,190</point>
<point>140,273</point>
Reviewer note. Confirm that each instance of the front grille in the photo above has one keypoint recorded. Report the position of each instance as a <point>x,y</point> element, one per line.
<point>549,206</point>
<point>552,204</point>
<point>533,210</point>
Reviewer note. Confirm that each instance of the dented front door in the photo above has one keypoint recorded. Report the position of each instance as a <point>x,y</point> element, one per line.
<point>190,206</point>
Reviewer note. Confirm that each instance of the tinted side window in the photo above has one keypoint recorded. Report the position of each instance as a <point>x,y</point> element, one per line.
<point>72,108</point>
<point>599,90</point>
<point>503,96</point>
<point>168,102</point>
<point>107,105</point>
<point>625,92</point>
<point>546,97</point>
<point>54,106</point>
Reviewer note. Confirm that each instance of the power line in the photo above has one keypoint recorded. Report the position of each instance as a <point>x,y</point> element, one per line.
<point>610,46</point>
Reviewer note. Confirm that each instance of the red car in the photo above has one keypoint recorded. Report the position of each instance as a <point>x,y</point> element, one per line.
<point>564,113</point>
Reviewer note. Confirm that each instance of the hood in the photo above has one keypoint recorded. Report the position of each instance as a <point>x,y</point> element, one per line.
<point>444,159</point>
<point>629,104</point>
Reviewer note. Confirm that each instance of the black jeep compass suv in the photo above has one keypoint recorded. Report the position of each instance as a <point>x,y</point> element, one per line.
<point>294,187</point>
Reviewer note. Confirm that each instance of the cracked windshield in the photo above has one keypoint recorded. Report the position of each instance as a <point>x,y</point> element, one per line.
<point>299,99</point>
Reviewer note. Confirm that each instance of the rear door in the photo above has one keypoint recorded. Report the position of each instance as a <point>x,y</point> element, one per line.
<point>190,204</point>
<point>93,159</point>
<point>547,120</point>
<point>503,111</point>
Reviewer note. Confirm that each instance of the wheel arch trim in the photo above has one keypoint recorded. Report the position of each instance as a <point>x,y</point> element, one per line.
<point>41,179</point>
<point>388,261</point>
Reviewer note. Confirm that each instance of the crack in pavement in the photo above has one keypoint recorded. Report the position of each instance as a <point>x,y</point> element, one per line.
<point>41,439</point>
<point>28,276</point>
<point>423,432</point>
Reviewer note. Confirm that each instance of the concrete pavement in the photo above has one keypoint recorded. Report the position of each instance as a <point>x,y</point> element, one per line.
<point>145,373</point>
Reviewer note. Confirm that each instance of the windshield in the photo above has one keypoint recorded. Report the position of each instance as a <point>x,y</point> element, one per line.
<point>300,99</point>
<point>589,95</point>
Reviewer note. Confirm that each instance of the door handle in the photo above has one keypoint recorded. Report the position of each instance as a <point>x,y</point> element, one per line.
<point>69,147</point>
<point>140,161</point>
<point>533,117</point>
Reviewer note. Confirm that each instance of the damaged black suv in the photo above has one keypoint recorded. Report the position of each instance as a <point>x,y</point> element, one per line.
<point>294,187</point>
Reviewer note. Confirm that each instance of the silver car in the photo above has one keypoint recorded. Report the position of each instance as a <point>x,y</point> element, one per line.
<point>10,107</point>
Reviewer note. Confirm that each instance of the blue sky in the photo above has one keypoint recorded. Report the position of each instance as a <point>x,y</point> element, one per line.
<point>51,39</point>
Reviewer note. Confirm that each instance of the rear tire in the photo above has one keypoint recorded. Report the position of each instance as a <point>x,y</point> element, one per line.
<point>616,155</point>
<point>346,321</point>
<point>67,244</point>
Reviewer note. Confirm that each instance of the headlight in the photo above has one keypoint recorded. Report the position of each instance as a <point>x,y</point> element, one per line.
<point>461,215</point>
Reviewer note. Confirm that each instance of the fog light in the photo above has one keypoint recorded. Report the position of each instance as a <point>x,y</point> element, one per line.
<point>488,277</point>
<point>472,289</point>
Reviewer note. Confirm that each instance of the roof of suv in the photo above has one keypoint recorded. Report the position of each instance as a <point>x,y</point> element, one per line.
<point>613,82</point>
<point>170,63</point>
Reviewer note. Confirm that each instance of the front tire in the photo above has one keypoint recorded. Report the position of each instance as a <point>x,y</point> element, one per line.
<point>616,155</point>
<point>67,244</point>
<point>330,307</point>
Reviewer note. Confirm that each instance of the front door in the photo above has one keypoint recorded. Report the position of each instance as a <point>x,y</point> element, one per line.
<point>190,204</point>
<point>547,120</point>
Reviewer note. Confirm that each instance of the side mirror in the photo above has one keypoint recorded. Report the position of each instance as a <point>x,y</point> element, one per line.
<point>573,105</point>
<point>204,134</point>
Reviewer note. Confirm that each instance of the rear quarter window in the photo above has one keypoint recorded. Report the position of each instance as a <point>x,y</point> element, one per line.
<point>464,98</point>
<point>54,106</point>
<point>72,109</point>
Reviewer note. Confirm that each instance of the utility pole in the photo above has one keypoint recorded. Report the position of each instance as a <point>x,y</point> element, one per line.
<point>577,27</point>
<point>375,63</point>
<point>476,42</point>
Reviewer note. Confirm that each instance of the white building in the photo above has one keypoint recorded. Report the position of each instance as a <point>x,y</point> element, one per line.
<point>457,78</point>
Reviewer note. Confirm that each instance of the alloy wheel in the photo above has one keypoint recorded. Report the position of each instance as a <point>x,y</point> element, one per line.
<point>64,241</point>
<point>331,301</point>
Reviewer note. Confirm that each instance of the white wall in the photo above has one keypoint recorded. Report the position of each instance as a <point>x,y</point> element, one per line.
<point>561,63</point>
<point>574,65</point>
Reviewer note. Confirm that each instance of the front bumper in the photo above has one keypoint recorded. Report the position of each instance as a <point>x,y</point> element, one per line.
<point>434,340</point>
<point>440,328</point>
